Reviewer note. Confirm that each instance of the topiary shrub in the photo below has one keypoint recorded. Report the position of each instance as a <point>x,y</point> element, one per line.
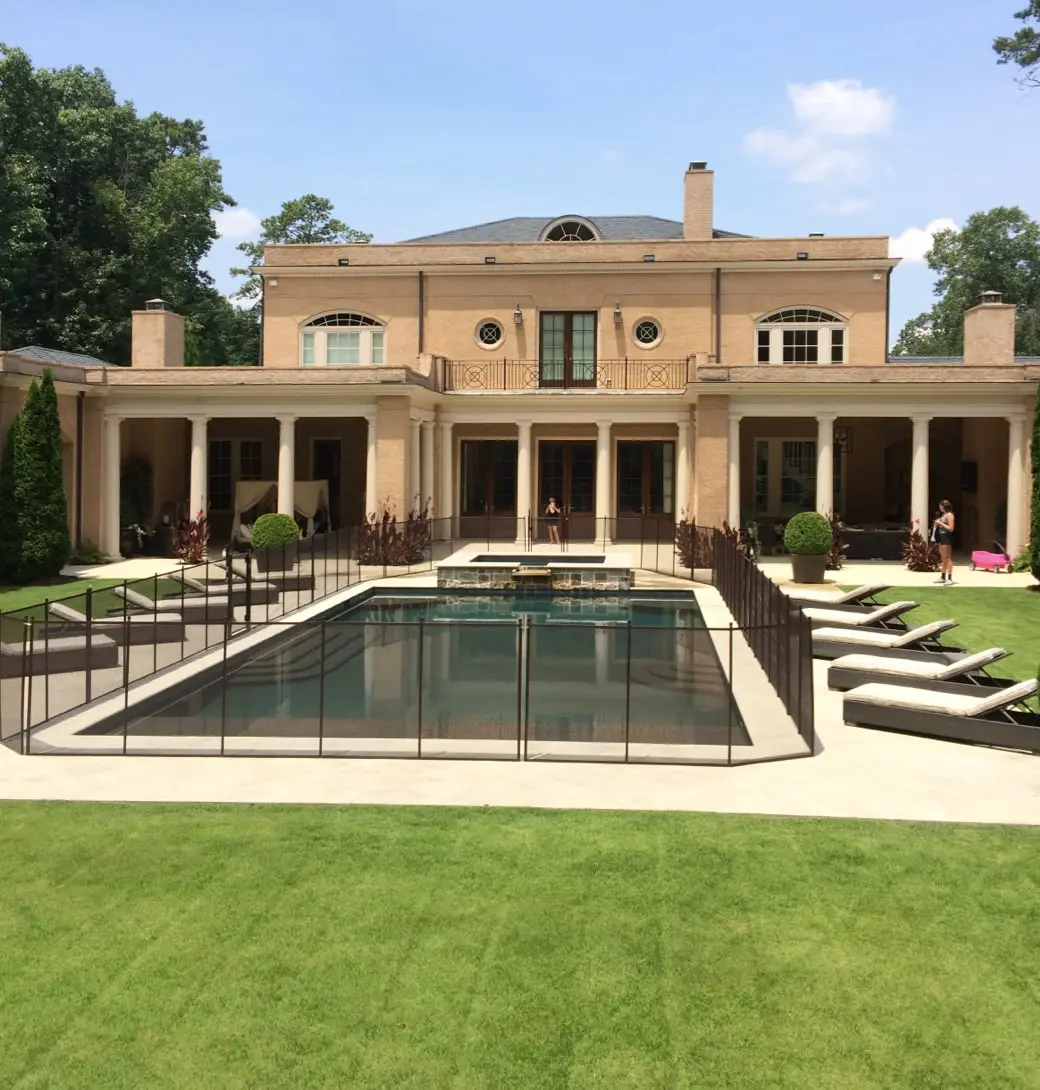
<point>274,531</point>
<point>808,534</point>
<point>10,534</point>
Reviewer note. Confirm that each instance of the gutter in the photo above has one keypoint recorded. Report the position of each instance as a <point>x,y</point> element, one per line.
<point>718,314</point>
<point>888,313</point>
<point>422,311</point>
<point>78,524</point>
<point>263,291</point>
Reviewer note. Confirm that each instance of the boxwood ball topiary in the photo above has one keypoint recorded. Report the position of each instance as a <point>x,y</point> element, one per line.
<point>808,534</point>
<point>274,531</point>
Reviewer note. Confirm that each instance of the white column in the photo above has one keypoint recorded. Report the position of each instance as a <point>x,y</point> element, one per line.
<point>371,500</point>
<point>415,457</point>
<point>447,489</point>
<point>825,465</point>
<point>603,534</point>
<point>426,491</point>
<point>733,507</point>
<point>198,485</point>
<point>682,470</point>
<point>1016,500</point>
<point>523,479</point>
<point>286,465</point>
<point>112,457</point>
<point>919,513</point>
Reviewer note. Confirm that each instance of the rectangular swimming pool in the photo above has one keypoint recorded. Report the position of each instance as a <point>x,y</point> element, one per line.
<point>468,674</point>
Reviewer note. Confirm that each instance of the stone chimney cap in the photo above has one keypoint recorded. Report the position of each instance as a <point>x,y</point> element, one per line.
<point>698,165</point>
<point>989,298</point>
<point>155,304</point>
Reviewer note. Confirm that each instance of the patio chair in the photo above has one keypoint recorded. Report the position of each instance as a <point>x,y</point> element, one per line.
<point>833,642</point>
<point>261,592</point>
<point>197,609</point>
<point>164,627</point>
<point>982,717</point>
<point>851,670</point>
<point>861,596</point>
<point>880,615</point>
<point>295,580</point>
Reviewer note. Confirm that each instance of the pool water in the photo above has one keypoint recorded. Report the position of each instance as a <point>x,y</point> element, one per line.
<point>536,559</point>
<point>491,667</point>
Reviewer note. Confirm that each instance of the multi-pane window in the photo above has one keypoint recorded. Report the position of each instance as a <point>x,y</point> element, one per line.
<point>219,475</point>
<point>251,460</point>
<point>801,335</point>
<point>342,340</point>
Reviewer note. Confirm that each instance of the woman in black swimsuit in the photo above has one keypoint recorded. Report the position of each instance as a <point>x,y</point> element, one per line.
<point>943,530</point>
<point>552,521</point>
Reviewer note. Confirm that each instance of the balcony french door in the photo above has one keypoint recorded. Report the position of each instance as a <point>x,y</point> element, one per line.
<point>488,492</point>
<point>567,473</point>
<point>567,349</point>
<point>645,490</point>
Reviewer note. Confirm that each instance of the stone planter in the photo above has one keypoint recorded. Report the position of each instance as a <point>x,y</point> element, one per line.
<point>808,569</point>
<point>276,560</point>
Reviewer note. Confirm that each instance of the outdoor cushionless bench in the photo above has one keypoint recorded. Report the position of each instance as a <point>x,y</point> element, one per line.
<point>833,642</point>
<point>61,655</point>
<point>851,670</point>
<point>983,716</point>
<point>162,627</point>
<point>258,593</point>
<point>877,616</point>
<point>209,609</point>
<point>861,596</point>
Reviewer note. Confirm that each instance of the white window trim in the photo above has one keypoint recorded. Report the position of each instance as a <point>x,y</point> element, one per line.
<point>649,346</point>
<point>497,346</point>
<point>320,335</point>
<point>774,473</point>
<point>236,463</point>
<point>776,339</point>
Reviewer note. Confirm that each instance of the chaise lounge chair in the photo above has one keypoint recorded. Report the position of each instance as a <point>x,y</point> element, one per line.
<point>882,616</point>
<point>833,642</point>
<point>979,716</point>
<point>57,655</point>
<point>861,596</point>
<point>260,592</point>
<point>208,609</point>
<point>162,627</point>
<point>851,670</point>
<point>295,580</point>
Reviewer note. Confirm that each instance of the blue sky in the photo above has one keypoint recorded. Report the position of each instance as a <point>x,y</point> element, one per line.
<point>412,117</point>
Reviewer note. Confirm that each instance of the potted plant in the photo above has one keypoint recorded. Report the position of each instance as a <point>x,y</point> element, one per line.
<point>808,539</point>
<point>274,539</point>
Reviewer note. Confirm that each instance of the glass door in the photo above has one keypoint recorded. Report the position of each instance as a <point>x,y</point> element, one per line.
<point>645,490</point>
<point>488,494</point>
<point>567,473</point>
<point>567,349</point>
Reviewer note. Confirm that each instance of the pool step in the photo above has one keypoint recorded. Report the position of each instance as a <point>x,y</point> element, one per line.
<point>527,578</point>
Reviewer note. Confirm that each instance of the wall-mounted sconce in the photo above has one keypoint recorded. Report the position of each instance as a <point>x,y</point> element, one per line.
<point>518,315</point>
<point>843,440</point>
<point>489,261</point>
<point>617,313</point>
<point>343,261</point>
<point>648,257</point>
<point>801,256</point>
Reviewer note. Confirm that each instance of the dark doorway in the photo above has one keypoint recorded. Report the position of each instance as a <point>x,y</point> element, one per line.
<point>645,490</point>
<point>327,465</point>
<point>567,472</point>
<point>488,500</point>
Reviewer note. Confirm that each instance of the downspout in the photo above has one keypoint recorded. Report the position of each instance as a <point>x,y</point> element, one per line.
<point>80,405</point>
<point>718,314</point>
<point>263,291</point>
<point>422,310</point>
<point>888,313</point>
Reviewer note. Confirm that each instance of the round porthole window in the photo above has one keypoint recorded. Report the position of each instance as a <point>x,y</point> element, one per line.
<point>646,332</point>
<point>489,334</point>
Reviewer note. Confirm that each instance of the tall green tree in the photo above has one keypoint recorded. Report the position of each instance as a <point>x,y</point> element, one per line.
<point>39,486</point>
<point>305,220</point>
<point>1023,47</point>
<point>100,209</point>
<point>998,250</point>
<point>10,529</point>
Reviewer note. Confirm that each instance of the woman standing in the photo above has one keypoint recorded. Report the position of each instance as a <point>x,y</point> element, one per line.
<point>943,530</point>
<point>552,520</point>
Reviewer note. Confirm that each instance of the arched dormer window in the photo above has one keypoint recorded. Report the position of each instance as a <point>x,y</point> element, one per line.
<point>801,335</point>
<point>570,229</point>
<point>342,340</point>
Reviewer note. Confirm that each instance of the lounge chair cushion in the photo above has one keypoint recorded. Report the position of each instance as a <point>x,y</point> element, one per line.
<point>875,616</point>
<point>826,598</point>
<point>933,671</point>
<point>969,705</point>
<point>874,638</point>
<point>74,616</point>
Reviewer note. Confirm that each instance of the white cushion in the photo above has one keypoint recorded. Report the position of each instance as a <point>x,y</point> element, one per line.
<point>827,598</point>
<point>967,704</point>
<point>858,620</point>
<point>935,670</point>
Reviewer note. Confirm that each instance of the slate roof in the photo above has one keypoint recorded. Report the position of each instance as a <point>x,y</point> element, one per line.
<point>529,228</point>
<point>58,356</point>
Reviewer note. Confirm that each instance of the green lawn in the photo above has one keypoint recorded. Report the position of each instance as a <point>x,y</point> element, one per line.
<point>22,598</point>
<point>150,946</point>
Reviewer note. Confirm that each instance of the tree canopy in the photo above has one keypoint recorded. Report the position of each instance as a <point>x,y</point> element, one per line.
<point>1023,47</point>
<point>998,250</point>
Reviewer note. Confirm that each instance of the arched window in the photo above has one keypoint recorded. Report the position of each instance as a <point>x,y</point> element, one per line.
<point>801,335</point>
<point>570,229</point>
<point>342,340</point>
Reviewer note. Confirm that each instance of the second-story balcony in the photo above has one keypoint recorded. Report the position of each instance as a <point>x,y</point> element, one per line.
<point>520,376</point>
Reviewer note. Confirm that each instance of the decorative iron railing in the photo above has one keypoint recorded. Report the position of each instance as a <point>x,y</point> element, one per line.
<point>505,375</point>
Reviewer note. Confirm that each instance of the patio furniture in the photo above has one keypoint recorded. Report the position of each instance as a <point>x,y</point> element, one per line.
<point>833,642</point>
<point>197,609</point>
<point>979,716</point>
<point>60,655</point>
<point>879,615</point>
<point>873,544</point>
<point>295,581</point>
<point>851,670</point>
<point>861,596</point>
<point>163,627</point>
<point>259,592</point>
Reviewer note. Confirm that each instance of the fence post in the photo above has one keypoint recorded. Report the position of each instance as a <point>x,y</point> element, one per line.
<point>729,702</point>
<point>527,683</point>
<point>46,661</point>
<point>26,701</point>
<point>519,680</point>
<point>420,713</point>
<point>223,695</point>
<point>628,688</point>
<point>321,694</point>
<point>90,644</point>
<point>126,677</point>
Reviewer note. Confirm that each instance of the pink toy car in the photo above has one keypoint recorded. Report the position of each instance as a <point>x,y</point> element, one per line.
<point>994,561</point>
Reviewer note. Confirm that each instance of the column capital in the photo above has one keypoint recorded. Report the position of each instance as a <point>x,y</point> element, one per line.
<point>286,418</point>
<point>735,417</point>
<point>112,418</point>
<point>920,420</point>
<point>826,418</point>
<point>604,425</point>
<point>426,425</point>
<point>522,423</point>
<point>1017,418</point>
<point>416,424</point>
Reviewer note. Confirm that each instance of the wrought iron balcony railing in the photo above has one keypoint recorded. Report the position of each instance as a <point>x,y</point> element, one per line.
<point>504,375</point>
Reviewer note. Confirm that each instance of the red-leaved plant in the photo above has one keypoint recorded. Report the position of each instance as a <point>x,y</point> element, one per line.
<point>692,545</point>
<point>190,538</point>
<point>919,553</point>
<point>384,540</point>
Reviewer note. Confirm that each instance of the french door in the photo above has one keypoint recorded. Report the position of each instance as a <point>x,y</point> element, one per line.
<point>645,490</point>
<point>567,349</point>
<point>567,474</point>
<point>488,494</point>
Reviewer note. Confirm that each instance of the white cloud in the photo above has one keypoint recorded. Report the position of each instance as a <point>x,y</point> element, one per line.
<point>915,242</point>
<point>236,222</point>
<point>844,207</point>
<point>830,146</point>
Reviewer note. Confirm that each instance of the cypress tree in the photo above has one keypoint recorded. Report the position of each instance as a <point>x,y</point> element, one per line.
<point>1035,510</point>
<point>40,486</point>
<point>10,533</point>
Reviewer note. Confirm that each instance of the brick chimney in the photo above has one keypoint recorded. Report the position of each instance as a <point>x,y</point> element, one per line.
<point>989,332</point>
<point>698,202</point>
<point>157,337</point>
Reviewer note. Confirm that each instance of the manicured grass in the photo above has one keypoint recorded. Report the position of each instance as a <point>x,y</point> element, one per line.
<point>190,947</point>
<point>28,601</point>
